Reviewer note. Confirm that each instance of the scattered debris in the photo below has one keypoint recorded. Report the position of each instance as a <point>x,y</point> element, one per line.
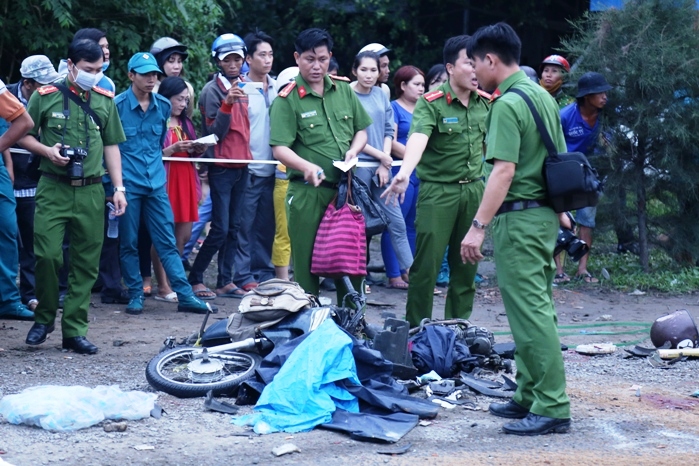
<point>285,449</point>
<point>119,343</point>
<point>637,292</point>
<point>596,348</point>
<point>143,447</point>
<point>429,423</point>
<point>399,450</point>
<point>605,317</point>
<point>695,395</point>
<point>114,426</point>
<point>219,406</point>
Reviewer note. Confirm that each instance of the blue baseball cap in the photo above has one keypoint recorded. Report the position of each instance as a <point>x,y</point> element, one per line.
<point>143,63</point>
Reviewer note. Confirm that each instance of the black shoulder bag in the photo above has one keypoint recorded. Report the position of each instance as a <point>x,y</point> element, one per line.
<point>571,181</point>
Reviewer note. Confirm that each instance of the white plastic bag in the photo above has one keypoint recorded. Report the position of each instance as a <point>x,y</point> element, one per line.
<point>64,409</point>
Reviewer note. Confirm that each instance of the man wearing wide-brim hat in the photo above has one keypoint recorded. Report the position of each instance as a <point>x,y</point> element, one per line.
<point>581,129</point>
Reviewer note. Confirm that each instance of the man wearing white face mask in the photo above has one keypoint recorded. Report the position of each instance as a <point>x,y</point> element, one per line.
<point>79,128</point>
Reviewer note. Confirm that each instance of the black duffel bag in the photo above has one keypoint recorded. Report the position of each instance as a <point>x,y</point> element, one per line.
<point>571,182</point>
<point>375,217</point>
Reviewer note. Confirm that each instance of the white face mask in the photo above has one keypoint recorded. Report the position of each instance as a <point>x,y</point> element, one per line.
<point>85,80</point>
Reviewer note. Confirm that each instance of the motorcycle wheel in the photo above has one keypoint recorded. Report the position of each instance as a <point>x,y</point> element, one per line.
<point>173,371</point>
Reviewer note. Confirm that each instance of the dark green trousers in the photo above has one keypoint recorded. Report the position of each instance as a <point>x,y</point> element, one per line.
<point>80,211</point>
<point>444,215</point>
<point>305,206</point>
<point>524,243</point>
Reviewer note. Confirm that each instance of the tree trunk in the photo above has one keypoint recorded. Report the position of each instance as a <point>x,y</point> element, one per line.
<point>642,214</point>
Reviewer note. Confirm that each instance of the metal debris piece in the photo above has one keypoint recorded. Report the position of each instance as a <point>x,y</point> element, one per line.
<point>219,406</point>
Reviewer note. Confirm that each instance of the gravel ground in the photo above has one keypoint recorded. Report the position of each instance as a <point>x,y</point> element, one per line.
<point>624,411</point>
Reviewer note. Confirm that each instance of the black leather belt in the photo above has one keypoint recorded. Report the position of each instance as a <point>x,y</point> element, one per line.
<point>512,206</point>
<point>323,183</point>
<point>73,182</point>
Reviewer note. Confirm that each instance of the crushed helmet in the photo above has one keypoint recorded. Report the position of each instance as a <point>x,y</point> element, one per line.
<point>678,328</point>
<point>164,47</point>
<point>226,44</point>
<point>555,60</point>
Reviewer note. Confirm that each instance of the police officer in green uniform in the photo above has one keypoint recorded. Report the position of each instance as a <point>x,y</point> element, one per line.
<point>316,120</point>
<point>524,232</point>
<point>70,196</point>
<point>446,143</point>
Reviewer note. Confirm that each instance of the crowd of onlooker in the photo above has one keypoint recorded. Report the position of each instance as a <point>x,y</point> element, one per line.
<point>140,149</point>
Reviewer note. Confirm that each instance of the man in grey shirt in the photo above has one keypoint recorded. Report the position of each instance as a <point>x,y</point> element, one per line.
<point>253,256</point>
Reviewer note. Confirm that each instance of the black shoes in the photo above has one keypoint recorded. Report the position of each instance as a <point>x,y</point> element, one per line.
<point>509,410</point>
<point>38,333</point>
<point>534,424</point>
<point>115,297</point>
<point>80,345</point>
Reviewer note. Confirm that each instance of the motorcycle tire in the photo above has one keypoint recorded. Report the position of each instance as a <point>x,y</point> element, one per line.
<point>169,372</point>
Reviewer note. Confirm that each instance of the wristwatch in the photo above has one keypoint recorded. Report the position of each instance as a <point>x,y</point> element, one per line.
<point>119,189</point>
<point>479,225</point>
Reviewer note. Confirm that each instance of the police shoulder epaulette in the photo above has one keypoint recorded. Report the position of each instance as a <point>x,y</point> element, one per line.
<point>339,78</point>
<point>103,91</point>
<point>45,90</point>
<point>484,94</point>
<point>287,89</point>
<point>434,95</point>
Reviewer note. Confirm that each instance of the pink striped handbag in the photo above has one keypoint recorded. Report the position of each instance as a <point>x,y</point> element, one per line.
<point>340,244</point>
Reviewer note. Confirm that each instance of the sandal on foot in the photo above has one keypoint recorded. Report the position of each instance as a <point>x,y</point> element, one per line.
<point>204,293</point>
<point>168,298</point>
<point>398,284</point>
<point>587,277</point>
<point>234,292</point>
<point>437,292</point>
<point>561,278</point>
<point>147,291</point>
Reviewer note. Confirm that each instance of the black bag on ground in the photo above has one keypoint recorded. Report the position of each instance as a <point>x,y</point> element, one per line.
<point>375,218</point>
<point>571,181</point>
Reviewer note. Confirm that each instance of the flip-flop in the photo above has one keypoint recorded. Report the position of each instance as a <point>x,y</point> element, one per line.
<point>205,294</point>
<point>587,277</point>
<point>561,278</point>
<point>232,293</point>
<point>168,298</point>
<point>437,292</point>
<point>147,291</point>
<point>398,285</point>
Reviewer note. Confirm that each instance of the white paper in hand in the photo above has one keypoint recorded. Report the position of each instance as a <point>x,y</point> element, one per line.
<point>209,140</point>
<point>345,166</point>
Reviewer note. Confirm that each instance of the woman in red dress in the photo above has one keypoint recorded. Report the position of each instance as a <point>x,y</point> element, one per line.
<point>183,186</point>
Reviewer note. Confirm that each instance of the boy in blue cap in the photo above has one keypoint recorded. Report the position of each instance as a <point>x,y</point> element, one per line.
<point>144,116</point>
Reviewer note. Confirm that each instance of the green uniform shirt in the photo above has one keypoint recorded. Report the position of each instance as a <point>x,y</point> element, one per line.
<point>513,136</point>
<point>49,122</point>
<point>319,129</point>
<point>456,134</point>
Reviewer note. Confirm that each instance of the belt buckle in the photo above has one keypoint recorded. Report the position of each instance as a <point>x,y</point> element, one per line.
<point>78,182</point>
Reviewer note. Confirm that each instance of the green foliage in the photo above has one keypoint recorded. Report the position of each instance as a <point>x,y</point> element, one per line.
<point>647,51</point>
<point>47,26</point>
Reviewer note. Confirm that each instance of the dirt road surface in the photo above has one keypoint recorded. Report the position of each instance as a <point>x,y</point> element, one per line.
<point>624,411</point>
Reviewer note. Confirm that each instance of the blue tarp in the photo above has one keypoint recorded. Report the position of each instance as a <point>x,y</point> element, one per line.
<point>304,392</point>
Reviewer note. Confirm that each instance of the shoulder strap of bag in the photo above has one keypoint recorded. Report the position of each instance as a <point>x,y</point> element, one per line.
<point>545,136</point>
<point>80,103</point>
